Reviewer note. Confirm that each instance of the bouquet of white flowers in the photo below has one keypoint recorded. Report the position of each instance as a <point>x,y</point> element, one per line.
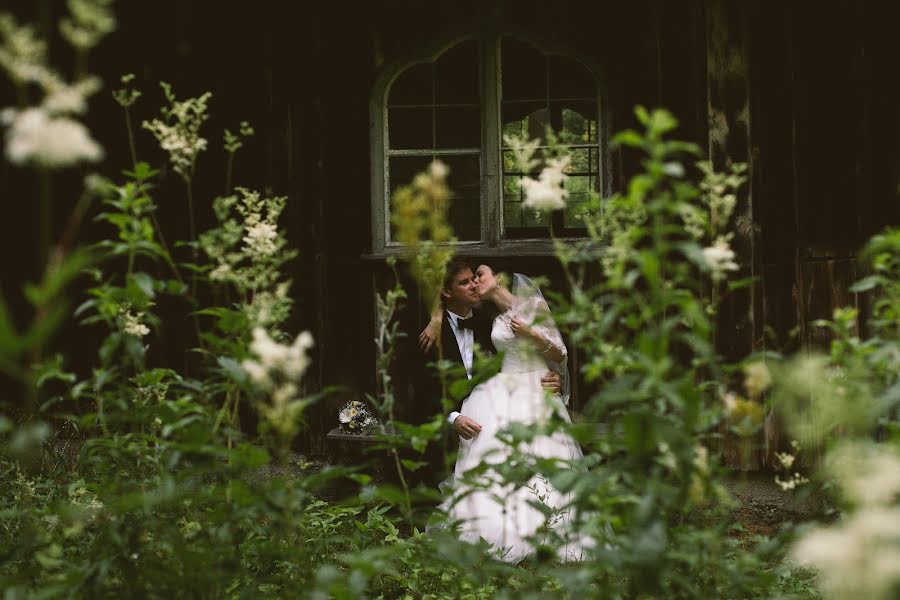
<point>356,418</point>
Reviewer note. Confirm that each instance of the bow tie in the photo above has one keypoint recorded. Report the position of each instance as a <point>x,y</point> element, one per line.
<point>466,323</point>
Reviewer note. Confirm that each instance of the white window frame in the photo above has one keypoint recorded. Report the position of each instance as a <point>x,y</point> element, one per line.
<point>492,241</point>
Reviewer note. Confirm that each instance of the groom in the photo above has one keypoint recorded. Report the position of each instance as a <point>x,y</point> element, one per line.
<point>465,325</point>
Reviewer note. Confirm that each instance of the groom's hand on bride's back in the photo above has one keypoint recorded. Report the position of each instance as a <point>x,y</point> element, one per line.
<point>466,427</point>
<point>551,381</point>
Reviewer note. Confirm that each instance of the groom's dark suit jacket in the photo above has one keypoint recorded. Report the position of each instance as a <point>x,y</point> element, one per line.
<point>428,392</point>
<point>450,350</point>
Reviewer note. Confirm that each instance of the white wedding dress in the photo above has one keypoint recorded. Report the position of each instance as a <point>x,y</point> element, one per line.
<point>502,514</point>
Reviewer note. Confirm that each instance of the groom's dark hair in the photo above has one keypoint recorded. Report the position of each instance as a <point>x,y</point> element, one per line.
<point>454,268</point>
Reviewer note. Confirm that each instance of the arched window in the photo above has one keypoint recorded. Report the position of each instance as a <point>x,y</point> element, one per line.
<point>456,106</point>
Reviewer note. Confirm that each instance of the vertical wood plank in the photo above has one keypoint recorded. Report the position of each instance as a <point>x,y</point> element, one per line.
<point>728,111</point>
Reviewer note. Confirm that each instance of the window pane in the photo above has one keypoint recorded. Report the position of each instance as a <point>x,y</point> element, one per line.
<point>456,75</point>
<point>579,188</point>
<point>512,191</point>
<point>528,119</point>
<point>573,212</point>
<point>458,127</point>
<point>409,128</point>
<point>511,166</point>
<point>465,195</point>
<point>512,214</point>
<point>413,86</point>
<point>516,128</point>
<point>570,79</point>
<point>465,218</point>
<point>517,220</point>
<point>523,71</point>
<point>402,170</point>
<point>535,219</point>
<point>579,122</point>
<point>581,161</point>
<point>509,162</point>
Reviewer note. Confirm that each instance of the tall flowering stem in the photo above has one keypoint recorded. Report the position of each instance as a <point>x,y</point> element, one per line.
<point>419,216</point>
<point>247,251</point>
<point>46,136</point>
<point>275,371</point>
<point>89,21</point>
<point>178,133</point>
<point>387,334</point>
<point>232,143</point>
<point>126,97</point>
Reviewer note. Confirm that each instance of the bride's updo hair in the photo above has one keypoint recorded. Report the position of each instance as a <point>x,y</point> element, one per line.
<point>500,270</point>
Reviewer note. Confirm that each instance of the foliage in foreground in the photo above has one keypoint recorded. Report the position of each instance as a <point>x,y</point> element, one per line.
<point>168,496</point>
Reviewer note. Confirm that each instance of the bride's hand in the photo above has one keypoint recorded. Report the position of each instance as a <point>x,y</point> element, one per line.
<point>430,334</point>
<point>520,328</point>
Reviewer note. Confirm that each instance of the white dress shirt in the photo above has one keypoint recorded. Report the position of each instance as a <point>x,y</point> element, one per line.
<point>465,339</point>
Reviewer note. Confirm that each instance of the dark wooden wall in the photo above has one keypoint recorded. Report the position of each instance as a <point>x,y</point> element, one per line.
<point>802,90</point>
<point>818,125</point>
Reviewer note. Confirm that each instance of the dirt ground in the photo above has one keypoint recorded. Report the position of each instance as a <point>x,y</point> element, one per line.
<point>764,506</point>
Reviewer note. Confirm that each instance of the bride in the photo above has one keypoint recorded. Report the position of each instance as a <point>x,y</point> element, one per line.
<point>481,501</point>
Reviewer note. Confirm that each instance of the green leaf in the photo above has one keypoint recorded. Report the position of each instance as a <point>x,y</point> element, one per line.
<point>249,456</point>
<point>675,146</point>
<point>182,423</point>
<point>412,465</point>
<point>141,284</point>
<point>565,481</point>
<point>743,283</point>
<point>51,369</point>
<point>418,443</point>
<point>56,279</point>
<point>640,435</point>
<point>42,329</point>
<point>101,377</point>
<point>361,479</point>
<point>141,172</point>
<point>109,347</point>
<point>642,115</point>
<point>629,137</point>
<point>460,388</point>
<point>867,283</point>
<point>662,121</point>
<point>232,369</point>
<point>175,287</point>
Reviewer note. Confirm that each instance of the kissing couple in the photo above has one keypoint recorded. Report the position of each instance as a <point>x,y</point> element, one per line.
<point>509,315</point>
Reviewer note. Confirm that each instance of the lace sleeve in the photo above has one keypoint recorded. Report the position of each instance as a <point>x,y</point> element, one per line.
<point>542,322</point>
